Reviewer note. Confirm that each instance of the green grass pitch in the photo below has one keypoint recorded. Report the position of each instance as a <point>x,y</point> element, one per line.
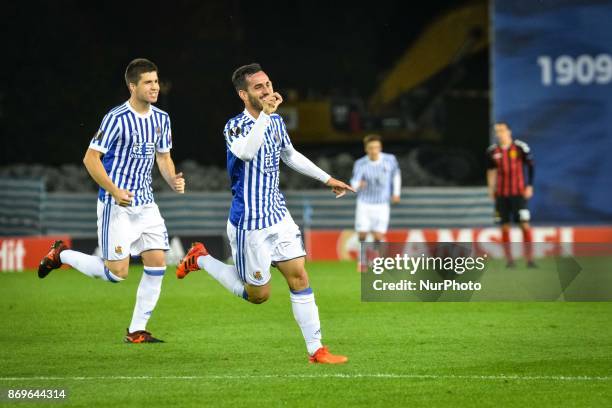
<point>66,332</point>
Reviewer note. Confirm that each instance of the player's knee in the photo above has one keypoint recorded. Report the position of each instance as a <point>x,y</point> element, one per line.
<point>258,294</point>
<point>258,299</point>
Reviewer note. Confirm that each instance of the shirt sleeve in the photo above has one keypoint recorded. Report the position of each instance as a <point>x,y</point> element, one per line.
<point>246,144</point>
<point>300,163</point>
<point>106,134</point>
<point>285,139</point>
<point>164,143</point>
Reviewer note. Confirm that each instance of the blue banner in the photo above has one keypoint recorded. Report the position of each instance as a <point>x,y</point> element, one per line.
<point>552,73</point>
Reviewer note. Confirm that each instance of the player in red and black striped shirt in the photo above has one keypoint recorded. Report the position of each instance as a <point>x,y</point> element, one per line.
<point>511,186</point>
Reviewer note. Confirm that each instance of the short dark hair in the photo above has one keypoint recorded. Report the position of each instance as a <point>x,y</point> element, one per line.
<point>501,122</point>
<point>136,68</point>
<point>240,74</point>
<point>371,138</point>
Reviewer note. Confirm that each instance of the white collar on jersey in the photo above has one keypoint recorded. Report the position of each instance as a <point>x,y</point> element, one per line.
<point>139,115</point>
<point>375,161</point>
<point>248,115</point>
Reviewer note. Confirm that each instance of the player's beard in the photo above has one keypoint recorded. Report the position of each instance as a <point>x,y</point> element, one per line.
<point>255,102</point>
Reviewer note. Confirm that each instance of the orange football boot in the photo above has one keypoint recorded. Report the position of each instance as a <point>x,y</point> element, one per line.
<point>52,259</point>
<point>190,262</point>
<point>323,356</point>
<point>140,336</point>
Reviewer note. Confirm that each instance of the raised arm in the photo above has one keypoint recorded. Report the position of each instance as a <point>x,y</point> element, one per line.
<point>247,146</point>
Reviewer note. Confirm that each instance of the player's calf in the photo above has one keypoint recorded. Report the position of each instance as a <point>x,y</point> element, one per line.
<point>119,268</point>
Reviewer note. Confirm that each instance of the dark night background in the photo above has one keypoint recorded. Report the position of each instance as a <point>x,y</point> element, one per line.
<point>63,65</point>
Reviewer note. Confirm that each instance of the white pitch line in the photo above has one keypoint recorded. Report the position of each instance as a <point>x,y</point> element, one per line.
<point>514,377</point>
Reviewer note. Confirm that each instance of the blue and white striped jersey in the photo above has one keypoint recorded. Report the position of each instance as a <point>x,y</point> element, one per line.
<point>382,178</point>
<point>257,201</point>
<point>129,141</point>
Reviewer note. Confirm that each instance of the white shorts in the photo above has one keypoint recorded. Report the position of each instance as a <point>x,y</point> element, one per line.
<point>125,231</point>
<point>255,250</point>
<point>372,217</point>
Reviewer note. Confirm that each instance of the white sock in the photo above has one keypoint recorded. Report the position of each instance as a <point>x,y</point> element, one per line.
<point>92,266</point>
<point>226,275</point>
<point>147,296</point>
<point>306,315</point>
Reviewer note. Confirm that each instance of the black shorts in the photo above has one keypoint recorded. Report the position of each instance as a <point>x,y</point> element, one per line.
<point>511,209</point>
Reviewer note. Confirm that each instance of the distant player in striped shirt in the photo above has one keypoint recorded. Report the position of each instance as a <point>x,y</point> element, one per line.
<point>132,137</point>
<point>260,229</point>
<point>510,187</point>
<point>378,181</point>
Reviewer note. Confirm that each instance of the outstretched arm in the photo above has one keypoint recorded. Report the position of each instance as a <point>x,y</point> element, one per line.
<point>300,163</point>
<point>339,187</point>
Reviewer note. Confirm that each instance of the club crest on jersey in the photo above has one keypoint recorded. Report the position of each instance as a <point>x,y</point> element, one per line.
<point>158,131</point>
<point>277,138</point>
<point>257,276</point>
<point>118,250</point>
<point>513,154</point>
<point>235,131</point>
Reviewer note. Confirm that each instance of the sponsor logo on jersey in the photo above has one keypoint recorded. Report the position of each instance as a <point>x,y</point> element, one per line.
<point>271,161</point>
<point>277,138</point>
<point>142,150</point>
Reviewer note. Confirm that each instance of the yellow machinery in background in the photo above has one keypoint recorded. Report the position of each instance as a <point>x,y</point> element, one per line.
<point>446,40</point>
